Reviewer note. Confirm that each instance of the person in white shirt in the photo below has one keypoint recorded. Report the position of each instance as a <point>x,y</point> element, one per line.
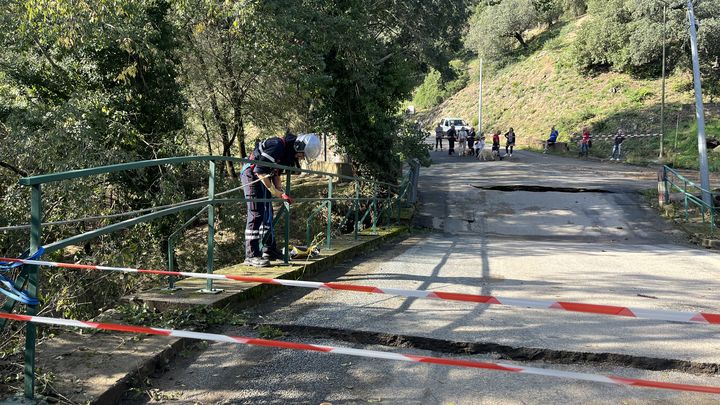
<point>462,140</point>
<point>479,146</point>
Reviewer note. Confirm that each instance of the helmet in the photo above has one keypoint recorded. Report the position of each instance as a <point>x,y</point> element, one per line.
<point>309,144</point>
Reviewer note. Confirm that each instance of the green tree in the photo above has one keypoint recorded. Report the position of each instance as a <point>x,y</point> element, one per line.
<point>373,64</point>
<point>708,13</point>
<point>496,30</point>
<point>574,8</point>
<point>603,40</point>
<point>250,62</point>
<point>431,92</point>
<point>548,11</point>
<point>86,83</point>
<point>626,35</point>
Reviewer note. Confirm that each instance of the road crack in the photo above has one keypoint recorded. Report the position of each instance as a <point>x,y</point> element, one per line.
<point>504,352</point>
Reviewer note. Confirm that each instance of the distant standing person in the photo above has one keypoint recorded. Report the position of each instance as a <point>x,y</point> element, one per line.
<point>438,136</point>
<point>462,139</point>
<point>510,142</point>
<point>496,144</point>
<point>452,136</point>
<point>586,132</point>
<point>553,138</point>
<point>471,140</point>
<point>617,145</point>
<point>584,143</point>
<point>479,146</point>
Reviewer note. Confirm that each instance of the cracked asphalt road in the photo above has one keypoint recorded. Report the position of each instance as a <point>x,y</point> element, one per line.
<point>596,247</point>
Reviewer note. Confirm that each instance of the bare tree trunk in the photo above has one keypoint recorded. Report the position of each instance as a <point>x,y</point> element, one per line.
<point>243,152</point>
<point>229,166</point>
<point>227,139</point>
<point>203,120</point>
<point>237,98</point>
<point>520,39</point>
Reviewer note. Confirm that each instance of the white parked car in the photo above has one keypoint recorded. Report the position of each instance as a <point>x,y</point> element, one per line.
<point>446,123</point>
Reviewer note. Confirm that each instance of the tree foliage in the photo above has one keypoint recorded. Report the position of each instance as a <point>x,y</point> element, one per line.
<point>92,82</point>
<point>548,11</point>
<point>498,28</point>
<point>574,8</point>
<point>250,62</point>
<point>86,83</point>
<point>627,35</point>
<point>433,90</point>
<point>371,66</point>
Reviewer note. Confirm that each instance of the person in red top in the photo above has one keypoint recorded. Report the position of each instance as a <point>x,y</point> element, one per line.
<point>496,144</point>
<point>585,142</point>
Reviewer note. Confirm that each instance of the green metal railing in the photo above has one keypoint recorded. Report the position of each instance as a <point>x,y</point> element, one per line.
<point>692,196</point>
<point>29,277</point>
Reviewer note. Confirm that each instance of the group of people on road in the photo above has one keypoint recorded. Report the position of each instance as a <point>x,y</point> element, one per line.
<point>469,140</point>
<point>264,182</point>
<point>586,142</point>
<point>465,137</point>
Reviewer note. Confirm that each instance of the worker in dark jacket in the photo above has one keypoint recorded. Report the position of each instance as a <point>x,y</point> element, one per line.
<point>617,145</point>
<point>452,137</point>
<point>263,182</point>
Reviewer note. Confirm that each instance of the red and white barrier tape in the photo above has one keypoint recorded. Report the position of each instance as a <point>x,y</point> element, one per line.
<point>608,379</point>
<point>641,313</point>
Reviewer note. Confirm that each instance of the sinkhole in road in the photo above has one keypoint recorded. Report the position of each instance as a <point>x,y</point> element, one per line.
<point>542,189</point>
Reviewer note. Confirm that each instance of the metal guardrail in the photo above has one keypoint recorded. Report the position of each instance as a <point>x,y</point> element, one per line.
<point>29,274</point>
<point>690,190</point>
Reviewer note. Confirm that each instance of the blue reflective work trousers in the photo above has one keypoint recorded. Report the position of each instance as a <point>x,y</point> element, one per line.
<point>259,232</point>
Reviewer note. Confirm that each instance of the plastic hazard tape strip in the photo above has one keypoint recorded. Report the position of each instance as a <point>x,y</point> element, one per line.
<point>642,313</point>
<point>612,136</point>
<point>608,379</point>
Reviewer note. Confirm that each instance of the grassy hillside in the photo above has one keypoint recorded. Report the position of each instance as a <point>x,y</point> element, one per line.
<point>542,88</point>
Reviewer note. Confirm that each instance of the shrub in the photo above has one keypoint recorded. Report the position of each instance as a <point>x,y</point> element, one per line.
<point>431,92</point>
<point>640,95</point>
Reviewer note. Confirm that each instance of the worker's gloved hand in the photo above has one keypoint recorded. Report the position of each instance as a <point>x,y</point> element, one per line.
<point>287,198</point>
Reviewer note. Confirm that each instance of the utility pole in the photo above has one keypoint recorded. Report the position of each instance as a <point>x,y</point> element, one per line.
<point>662,106</point>
<point>480,127</point>
<point>699,110</point>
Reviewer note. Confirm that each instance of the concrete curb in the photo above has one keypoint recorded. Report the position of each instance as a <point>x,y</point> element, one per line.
<point>698,238</point>
<point>117,367</point>
<point>711,243</point>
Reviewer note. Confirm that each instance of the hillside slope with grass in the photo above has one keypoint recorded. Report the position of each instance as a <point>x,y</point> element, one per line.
<point>541,87</point>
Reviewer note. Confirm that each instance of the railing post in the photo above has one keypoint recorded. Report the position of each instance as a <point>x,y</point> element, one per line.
<point>415,164</point>
<point>329,218</point>
<point>32,288</point>
<point>211,224</point>
<point>712,220</point>
<point>357,207</point>
<point>667,189</point>
<point>287,220</point>
<point>375,214</point>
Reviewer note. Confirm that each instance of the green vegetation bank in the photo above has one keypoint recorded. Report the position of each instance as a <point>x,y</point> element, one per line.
<point>577,63</point>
